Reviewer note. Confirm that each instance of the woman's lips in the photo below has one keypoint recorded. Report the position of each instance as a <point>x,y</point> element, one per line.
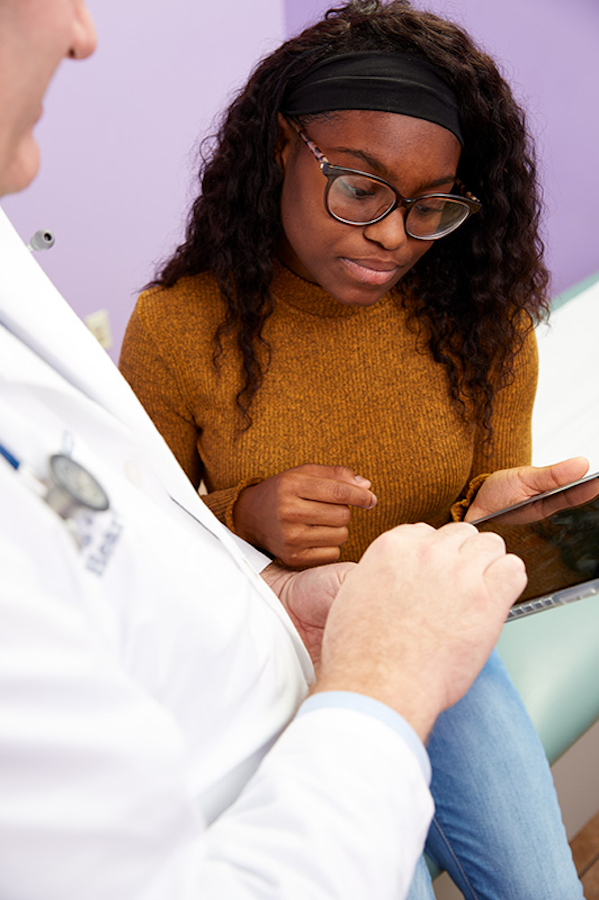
<point>370,271</point>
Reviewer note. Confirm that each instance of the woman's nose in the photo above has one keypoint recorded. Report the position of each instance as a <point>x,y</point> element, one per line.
<point>389,232</point>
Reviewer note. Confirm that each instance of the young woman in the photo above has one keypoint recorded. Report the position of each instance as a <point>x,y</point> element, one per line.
<point>353,307</point>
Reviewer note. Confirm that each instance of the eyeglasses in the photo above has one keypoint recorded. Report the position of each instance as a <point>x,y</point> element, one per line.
<point>358,198</point>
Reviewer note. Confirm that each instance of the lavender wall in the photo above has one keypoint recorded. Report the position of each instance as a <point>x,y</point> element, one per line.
<point>119,129</point>
<point>117,138</point>
<point>548,52</point>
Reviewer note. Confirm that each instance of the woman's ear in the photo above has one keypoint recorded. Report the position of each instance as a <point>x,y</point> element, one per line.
<point>285,139</point>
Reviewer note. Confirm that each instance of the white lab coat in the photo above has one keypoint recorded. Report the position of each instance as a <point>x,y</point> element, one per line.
<point>144,678</point>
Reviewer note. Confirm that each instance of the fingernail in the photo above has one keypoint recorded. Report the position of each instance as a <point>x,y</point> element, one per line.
<point>373,502</point>
<point>361,481</point>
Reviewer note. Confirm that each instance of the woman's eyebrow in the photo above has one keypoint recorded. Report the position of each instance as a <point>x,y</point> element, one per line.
<point>370,160</point>
<point>380,169</point>
<point>437,182</point>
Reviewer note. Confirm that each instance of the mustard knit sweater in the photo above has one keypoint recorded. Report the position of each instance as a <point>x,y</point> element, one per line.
<point>346,386</point>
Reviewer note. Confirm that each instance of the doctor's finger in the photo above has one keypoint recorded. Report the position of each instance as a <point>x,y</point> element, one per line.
<point>483,546</point>
<point>506,578</point>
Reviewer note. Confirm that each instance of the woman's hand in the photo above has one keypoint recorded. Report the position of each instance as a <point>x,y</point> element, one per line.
<point>302,515</point>
<point>509,486</point>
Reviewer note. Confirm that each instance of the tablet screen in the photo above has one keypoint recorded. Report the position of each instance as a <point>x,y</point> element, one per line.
<point>556,534</point>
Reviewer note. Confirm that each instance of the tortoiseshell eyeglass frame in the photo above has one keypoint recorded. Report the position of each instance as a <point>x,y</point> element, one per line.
<point>331,172</point>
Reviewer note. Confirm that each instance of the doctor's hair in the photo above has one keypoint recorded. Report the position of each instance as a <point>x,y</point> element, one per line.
<point>473,296</point>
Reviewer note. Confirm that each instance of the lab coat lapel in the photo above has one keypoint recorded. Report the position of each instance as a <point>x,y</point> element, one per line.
<point>32,308</point>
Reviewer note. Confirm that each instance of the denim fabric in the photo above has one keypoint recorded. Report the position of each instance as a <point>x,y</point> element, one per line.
<point>497,828</point>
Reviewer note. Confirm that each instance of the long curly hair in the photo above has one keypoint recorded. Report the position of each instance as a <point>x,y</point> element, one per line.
<point>474,294</point>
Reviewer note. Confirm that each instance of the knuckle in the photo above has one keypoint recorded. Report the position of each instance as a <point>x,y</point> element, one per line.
<point>457,527</point>
<point>292,545</point>
<point>343,535</point>
<point>294,539</point>
<point>342,472</point>
<point>310,562</point>
<point>408,529</point>
<point>304,558</point>
<point>339,492</point>
<point>492,539</point>
<point>344,516</point>
<point>413,536</point>
<point>291,559</point>
<point>287,483</point>
<point>290,513</point>
<point>328,555</point>
<point>388,540</point>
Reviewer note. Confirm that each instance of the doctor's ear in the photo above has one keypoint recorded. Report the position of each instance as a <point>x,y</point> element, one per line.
<point>285,140</point>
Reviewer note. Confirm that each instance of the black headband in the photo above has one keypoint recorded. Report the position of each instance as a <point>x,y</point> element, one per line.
<point>386,81</point>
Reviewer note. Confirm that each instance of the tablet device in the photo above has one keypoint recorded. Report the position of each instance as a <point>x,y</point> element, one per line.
<point>557,535</point>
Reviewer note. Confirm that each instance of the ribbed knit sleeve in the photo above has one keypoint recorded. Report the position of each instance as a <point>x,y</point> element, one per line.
<point>222,503</point>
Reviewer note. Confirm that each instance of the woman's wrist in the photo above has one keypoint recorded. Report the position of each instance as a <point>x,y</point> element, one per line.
<point>460,508</point>
<point>245,522</point>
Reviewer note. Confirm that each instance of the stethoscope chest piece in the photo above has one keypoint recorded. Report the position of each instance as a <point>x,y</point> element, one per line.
<point>72,489</point>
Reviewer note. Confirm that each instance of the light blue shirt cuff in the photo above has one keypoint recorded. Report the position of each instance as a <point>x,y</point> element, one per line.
<point>376,710</point>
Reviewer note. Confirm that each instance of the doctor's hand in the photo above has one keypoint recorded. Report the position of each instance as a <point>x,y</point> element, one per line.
<point>301,516</point>
<point>307,597</point>
<point>414,622</point>
<point>509,486</point>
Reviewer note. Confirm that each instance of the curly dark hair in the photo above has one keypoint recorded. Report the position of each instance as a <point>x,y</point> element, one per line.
<point>474,294</point>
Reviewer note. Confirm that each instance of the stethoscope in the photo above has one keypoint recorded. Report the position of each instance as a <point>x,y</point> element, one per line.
<point>69,489</point>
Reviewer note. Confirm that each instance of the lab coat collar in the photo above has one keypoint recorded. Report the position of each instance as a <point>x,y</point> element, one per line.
<point>33,309</point>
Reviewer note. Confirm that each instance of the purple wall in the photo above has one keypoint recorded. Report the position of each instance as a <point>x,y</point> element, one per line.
<point>118,135</point>
<point>548,52</point>
<point>119,130</point>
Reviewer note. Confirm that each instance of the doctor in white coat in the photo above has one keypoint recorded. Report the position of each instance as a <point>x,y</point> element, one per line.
<point>155,737</point>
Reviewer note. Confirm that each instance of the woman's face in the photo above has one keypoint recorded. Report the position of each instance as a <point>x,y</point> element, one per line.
<point>357,264</point>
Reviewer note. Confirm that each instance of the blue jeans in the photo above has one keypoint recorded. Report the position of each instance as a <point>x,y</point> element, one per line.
<point>497,829</point>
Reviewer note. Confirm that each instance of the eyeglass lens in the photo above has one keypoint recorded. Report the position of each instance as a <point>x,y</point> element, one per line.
<point>358,199</point>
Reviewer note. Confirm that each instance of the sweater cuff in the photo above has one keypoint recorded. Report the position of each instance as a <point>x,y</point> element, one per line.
<point>459,509</point>
<point>222,503</point>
